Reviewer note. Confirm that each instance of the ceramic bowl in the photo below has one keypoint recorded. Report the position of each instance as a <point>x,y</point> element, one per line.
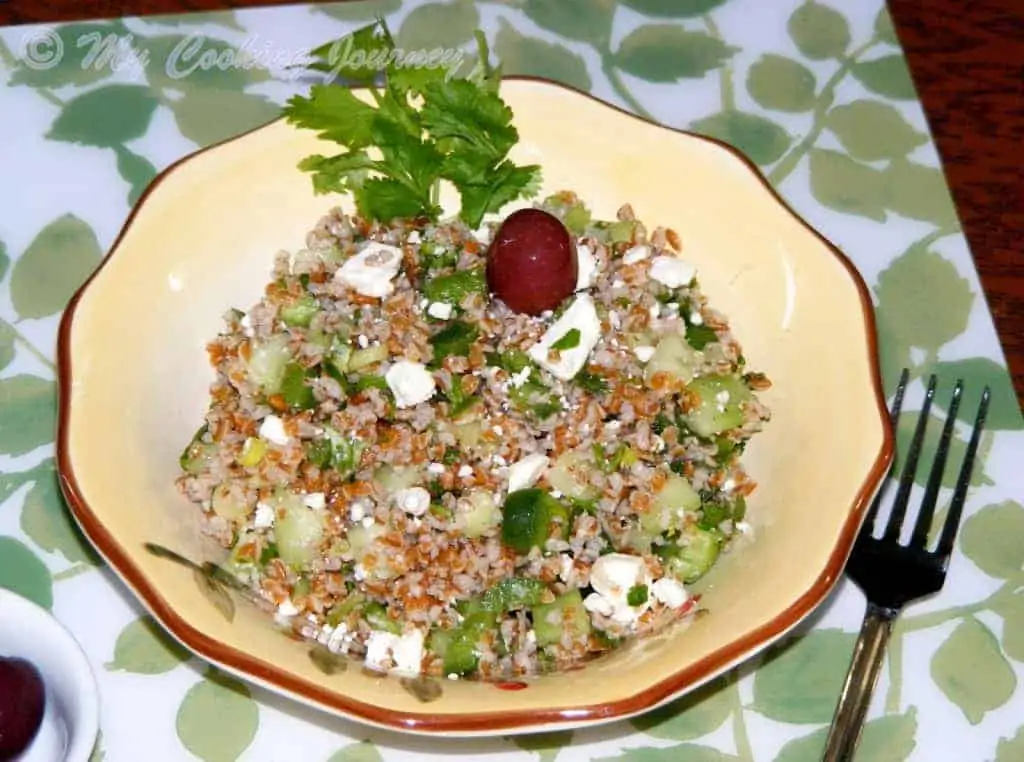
<point>71,719</point>
<point>134,378</point>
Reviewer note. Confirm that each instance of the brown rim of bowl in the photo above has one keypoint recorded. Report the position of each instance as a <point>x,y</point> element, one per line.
<point>646,699</point>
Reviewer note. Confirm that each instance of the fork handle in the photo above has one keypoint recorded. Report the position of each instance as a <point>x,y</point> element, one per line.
<point>853,703</point>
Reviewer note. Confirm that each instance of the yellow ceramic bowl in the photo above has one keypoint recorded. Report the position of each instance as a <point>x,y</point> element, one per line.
<point>134,377</point>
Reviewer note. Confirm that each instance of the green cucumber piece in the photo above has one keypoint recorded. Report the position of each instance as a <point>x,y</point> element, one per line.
<point>692,555</point>
<point>710,417</point>
<point>550,620</point>
<point>300,313</point>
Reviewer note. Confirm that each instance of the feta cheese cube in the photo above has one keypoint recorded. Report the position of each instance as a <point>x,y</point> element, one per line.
<point>410,382</point>
<point>586,267</point>
<point>643,352</point>
<point>672,271</point>
<point>315,500</point>
<point>414,500</point>
<point>670,592</point>
<point>612,577</point>
<point>264,518</point>
<point>636,254</point>
<point>524,473</point>
<point>440,310</point>
<point>582,316</point>
<point>371,271</point>
<point>272,429</point>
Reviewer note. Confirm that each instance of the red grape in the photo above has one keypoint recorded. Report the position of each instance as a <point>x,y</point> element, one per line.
<point>22,701</point>
<point>531,264</point>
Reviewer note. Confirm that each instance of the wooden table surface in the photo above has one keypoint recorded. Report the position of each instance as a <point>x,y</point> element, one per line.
<point>969,72</point>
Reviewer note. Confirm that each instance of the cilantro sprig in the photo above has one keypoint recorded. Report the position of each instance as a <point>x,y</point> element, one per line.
<point>422,126</point>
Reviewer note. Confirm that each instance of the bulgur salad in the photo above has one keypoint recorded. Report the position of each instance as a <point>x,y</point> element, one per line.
<point>457,448</point>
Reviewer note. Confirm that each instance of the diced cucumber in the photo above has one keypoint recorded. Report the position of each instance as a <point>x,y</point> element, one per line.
<point>622,231</point>
<point>452,288</point>
<point>566,613</point>
<point>468,433</point>
<point>713,415</point>
<point>395,478</point>
<point>226,505</point>
<point>460,650</point>
<point>267,363</point>
<point>198,455</point>
<point>527,516</point>
<point>480,513</point>
<point>298,531</point>
<point>294,389</point>
<point>363,358</point>
<point>674,356</point>
<point>577,219</point>
<point>509,594</point>
<point>693,554</point>
<point>376,615</point>
<point>675,497</point>
<point>361,538</point>
<point>570,475</point>
<point>300,312</point>
<point>341,611</point>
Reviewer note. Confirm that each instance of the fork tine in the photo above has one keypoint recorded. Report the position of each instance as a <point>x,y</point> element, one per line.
<point>894,416</point>
<point>931,493</point>
<point>899,506</point>
<point>956,507</point>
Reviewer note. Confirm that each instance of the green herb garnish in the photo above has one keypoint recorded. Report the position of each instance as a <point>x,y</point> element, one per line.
<point>590,382</point>
<point>460,130</point>
<point>454,339</point>
<point>452,288</point>
<point>637,595</point>
<point>570,340</point>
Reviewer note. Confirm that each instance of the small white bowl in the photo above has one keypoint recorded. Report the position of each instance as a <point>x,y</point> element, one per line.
<point>71,721</point>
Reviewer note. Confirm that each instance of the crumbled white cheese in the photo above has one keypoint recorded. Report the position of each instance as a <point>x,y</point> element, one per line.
<point>696,318</point>
<point>272,429</point>
<point>357,511</point>
<point>670,592</point>
<point>465,471</point>
<point>264,518</point>
<point>371,270</point>
<point>744,527</point>
<point>410,382</point>
<point>643,352</point>
<point>654,311</point>
<point>613,318</point>
<point>440,310</point>
<point>618,283</point>
<point>413,237</point>
<point>520,378</point>
<point>436,468</point>
<point>525,472</point>
<point>362,341</point>
<point>379,647</point>
<point>636,254</point>
<point>359,572</point>
<point>497,429</point>
<point>368,522</point>
<point>582,316</point>
<point>285,612</point>
<point>586,267</point>
<point>408,652</point>
<point>612,577</point>
<point>729,485</point>
<point>414,500</point>
<point>246,323</point>
<point>315,500</point>
<point>385,650</point>
<point>672,271</point>
<point>339,639</point>
<point>566,563</point>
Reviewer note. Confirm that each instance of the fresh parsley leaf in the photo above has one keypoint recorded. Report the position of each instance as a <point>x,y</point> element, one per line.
<point>454,339</point>
<point>570,340</point>
<point>699,336</point>
<point>637,595</point>
<point>591,382</point>
<point>461,110</point>
<point>458,400</point>
<point>335,113</point>
<point>338,174</point>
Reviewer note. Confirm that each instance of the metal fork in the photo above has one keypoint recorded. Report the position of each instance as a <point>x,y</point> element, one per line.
<point>892,574</point>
